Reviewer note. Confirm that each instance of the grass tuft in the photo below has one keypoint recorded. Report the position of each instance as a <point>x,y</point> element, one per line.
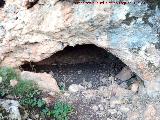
<point>7,74</point>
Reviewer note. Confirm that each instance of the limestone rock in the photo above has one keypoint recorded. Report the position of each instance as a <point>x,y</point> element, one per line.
<point>13,83</point>
<point>124,109</point>
<point>124,74</point>
<point>134,116</point>
<point>134,87</point>
<point>118,91</point>
<point>112,111</point>
<point>0,80</point>
<point>11,106</point>
<point>45,81</point>
<point>75,88</point>
<point>115,101</point>
<point>95,108</point>
<point>150,113</point>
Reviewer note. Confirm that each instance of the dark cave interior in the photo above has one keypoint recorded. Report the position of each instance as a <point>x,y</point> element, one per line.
<point>87,65</point>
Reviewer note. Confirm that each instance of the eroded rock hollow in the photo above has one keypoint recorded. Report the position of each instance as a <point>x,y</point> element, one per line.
<point>87,65</point>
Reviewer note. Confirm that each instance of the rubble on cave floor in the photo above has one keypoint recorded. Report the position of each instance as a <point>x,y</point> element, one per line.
<point>112,103</point>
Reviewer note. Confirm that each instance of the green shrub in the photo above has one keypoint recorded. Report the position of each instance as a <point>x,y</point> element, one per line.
<point>61,111</point>
<point>7,74</point>
<point>33,102</point>
<point>25,88</point>
<point>28,94</point>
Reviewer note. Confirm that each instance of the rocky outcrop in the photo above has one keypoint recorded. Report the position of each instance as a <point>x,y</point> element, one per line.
<point>130,32</point>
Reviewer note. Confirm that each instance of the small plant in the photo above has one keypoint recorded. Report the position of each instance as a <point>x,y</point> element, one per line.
<point>25,88</point>
<point>62,86</point>
<point>32,102</point>
<point>6,74</point>
<point>28,94</point>
<point>61,111</point>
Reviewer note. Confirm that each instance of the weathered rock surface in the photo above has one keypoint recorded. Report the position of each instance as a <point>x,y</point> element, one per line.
<point>112,103</point>
<point>130,32</point>
<point>124,74</point>
<point>45,81</point>
<point>13,83</point>
<point>150,113</point>
<point>134,87</point>
<point>11,107</point>
<point>75,88</point>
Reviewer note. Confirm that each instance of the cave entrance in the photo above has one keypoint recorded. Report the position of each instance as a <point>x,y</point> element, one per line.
<point>87,65</point>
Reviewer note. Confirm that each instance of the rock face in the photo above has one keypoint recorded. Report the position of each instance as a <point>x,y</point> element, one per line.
<point>130,32</point>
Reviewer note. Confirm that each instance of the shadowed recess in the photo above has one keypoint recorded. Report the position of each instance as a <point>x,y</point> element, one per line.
<point>2,3</point>
<point>87,65</point>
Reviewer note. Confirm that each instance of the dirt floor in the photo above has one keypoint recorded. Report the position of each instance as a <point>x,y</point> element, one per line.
<point>89,75</point>
<point>112,103</point>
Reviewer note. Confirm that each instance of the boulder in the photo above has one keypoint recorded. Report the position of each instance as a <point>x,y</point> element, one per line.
<point>45,81</point>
